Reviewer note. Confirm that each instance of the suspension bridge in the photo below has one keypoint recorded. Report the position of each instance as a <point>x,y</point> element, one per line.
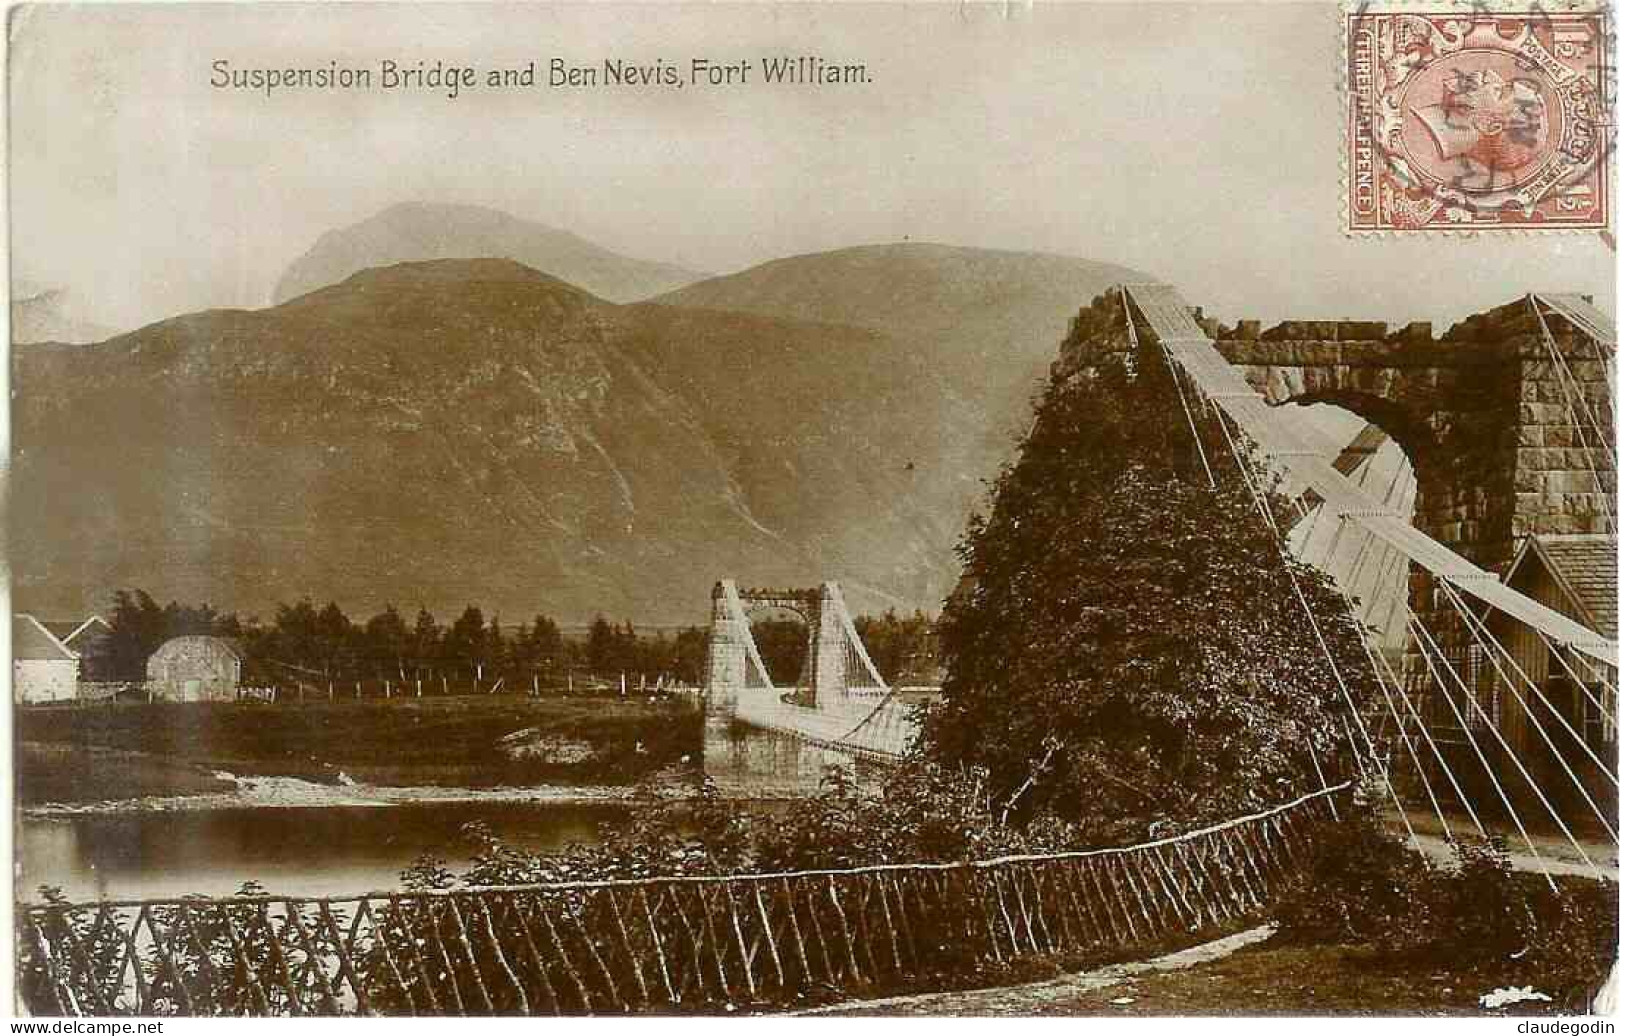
<point>840,700</point>
<point>1487,692</point>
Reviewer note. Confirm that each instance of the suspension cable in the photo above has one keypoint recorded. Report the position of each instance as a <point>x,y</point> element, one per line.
<point>1541,730</point>
<point>1466,729</point>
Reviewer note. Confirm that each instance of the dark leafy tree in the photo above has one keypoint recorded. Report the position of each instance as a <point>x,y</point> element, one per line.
<point>230,625</point>
<point>425,643</point>
<point>335,637</point>
<point>181,620</point>
<point>782,644</point>
<point>602,646</point>
<point>543,644</point>
<point>295,639</point>
<point>1134,645</point>
<point>496,643</point>
<point>519,647</point>
<point>903,649</point>
<point>138,628</point>
<point>465,641</point>
<point>688,656</point>
<point>628,657</point>
<point>387,641</point>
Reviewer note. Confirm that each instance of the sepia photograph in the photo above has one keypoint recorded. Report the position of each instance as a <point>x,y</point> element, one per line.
<point>975,510</point>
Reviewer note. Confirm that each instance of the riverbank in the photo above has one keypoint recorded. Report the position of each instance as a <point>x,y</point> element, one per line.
<point>293,793</point>
<point>219,755</point>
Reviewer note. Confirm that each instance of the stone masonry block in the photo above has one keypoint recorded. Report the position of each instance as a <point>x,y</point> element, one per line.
<point>1560,435</point>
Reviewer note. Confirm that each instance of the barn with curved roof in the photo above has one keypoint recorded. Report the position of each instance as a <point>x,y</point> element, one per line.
<point>195,668</point>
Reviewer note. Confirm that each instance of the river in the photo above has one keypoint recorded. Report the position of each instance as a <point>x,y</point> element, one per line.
<point>321,850</point>
<point>343,849</point>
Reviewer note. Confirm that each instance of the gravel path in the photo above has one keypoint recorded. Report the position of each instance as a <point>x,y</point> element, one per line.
<point>1031,999</point>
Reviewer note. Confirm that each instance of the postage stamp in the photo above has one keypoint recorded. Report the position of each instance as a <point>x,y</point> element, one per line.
<point>1477,118</point>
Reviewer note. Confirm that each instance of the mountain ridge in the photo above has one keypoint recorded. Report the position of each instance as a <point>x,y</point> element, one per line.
<point>436,433</point>
<point>476,430</point>
<point>416,231</point>
<point>45,316</point>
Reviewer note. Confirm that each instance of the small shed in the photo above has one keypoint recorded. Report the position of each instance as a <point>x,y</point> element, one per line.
<point>43,669</point>
<point>1576,575</point>
<point>195,668</point>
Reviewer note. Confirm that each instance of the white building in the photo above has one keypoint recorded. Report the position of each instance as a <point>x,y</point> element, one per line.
<point>43,669</point>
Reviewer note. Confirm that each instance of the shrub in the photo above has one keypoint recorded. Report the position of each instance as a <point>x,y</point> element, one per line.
<point>926,814</point>
<point>1362,884</point>
<point>1572,939</point>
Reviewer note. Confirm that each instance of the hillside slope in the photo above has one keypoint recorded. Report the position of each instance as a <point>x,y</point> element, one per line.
<point>475,431</point>
<point>990,320</point>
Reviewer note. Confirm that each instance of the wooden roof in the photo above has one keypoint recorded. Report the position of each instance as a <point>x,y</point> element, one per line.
<point>31,641</point>
<point>1586,566</point>
<point>67,631</point>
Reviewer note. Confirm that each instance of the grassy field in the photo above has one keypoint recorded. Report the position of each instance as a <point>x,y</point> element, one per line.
<point>129,751</point>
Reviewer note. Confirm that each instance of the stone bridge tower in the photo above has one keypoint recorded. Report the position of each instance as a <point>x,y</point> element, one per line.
<point>1484,413</point>
<point>728,653</point>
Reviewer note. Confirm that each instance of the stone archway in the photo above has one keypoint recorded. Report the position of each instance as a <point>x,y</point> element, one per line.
<point>1480,411</point>
<point>1483,412</point>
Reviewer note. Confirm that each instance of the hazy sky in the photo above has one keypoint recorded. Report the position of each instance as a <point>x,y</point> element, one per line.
<point>1197,142</point>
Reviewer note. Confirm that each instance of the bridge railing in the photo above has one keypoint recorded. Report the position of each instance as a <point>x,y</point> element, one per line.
<point>691,943</point>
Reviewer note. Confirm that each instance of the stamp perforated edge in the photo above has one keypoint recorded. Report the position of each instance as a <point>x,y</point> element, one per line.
<point>1346,9</point>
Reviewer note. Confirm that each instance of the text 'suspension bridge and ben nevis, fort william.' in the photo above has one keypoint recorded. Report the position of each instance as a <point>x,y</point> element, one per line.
<point>1477,117</point>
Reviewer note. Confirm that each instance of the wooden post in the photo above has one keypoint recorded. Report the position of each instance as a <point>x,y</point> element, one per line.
<point>623,685</point>
<point>443,689</point>
<point>358,690</point>
<point>570,681</point>
<point>535,686</point>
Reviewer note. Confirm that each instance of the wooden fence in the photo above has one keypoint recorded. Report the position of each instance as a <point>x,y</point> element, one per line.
<point>667,944</point>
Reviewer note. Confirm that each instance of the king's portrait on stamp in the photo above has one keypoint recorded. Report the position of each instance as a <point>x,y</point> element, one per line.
<point>1477,118</point>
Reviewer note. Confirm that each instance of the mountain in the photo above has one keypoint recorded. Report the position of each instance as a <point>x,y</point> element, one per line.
<point>415,231</point>
<point>990,320</point>
<point>50,315</point>
<point>477,431</point>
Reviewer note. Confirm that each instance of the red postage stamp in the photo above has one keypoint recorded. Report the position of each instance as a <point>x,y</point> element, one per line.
<point>1477,118</point>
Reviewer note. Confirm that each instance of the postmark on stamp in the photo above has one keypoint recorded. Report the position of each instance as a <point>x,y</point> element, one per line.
<point>1476,118</point>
